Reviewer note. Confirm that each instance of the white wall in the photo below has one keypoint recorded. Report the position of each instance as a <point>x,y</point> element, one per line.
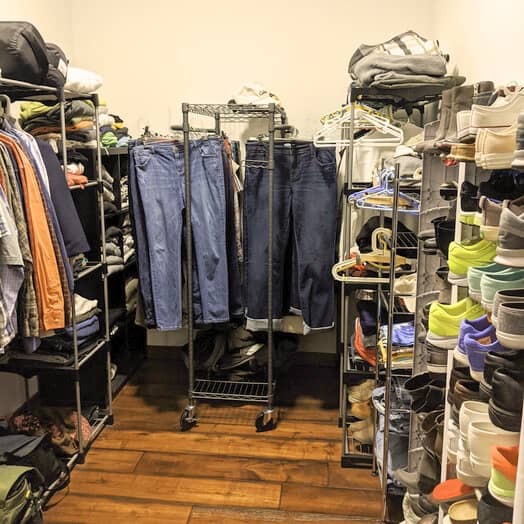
<point>154,56</point>
<point>483,37</point>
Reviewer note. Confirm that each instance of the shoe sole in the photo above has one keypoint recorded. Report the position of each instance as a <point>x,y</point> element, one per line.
<point>476,375</point>
<point>490,232</point>
<point>437,368</point>
<point>460,357</point>
<point>468,217</point>
<point>487,305</point>
<point>510,340</point>
<point>494,320</point>
<point>441,341</point>
<point>458,280</point>
<point>503,419</point>
<point>475,295</point>
<point>510,257</point>
<point>494,160</point>
<point>507,501</point>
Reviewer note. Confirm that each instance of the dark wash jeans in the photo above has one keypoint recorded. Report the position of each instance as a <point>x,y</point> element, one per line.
<point>158,200</point>
<point>304,224</point>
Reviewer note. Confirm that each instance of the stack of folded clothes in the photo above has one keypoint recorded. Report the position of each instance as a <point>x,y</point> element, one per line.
<point>115,261</point>
<point>403,338</point>
<point>406,61</point>
<point>87,327</point>
<point>108,192</point>
<point>113,132</point>
<point>131,293</point>
<point>43,121</point>
<point>129,243</point>
<point>121,131</point>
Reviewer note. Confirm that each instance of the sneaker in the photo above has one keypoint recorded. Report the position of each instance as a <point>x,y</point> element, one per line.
<point>508,360</point>
<point>503,184</point>
<point>491,511</point>
<point>505,404</point>
<point>491,213</point>
<point>504,462</point>
<point>436,358</point>
<point>477,347</point>
<point>469,202</point>
<point>506,295</point>
<point>361,392</point>
<point>470,411</point>
<point>491,283</point>
<point>481,436</point>
<point>510,248</point>
<point>497,117</point>
<point>518,160</point>
<point>469,327</point>
<point>510,322</point>
<point>468,254</point>
<point>444,321</point>
<point>464,511</point>
<point>462,152</point>
<point>475,275</point>
<point>495,149</point>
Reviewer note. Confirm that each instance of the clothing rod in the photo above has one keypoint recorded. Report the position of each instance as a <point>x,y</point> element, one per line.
<point>194,129</point>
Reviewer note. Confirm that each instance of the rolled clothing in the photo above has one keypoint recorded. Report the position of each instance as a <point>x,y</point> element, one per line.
<point>115,268</point>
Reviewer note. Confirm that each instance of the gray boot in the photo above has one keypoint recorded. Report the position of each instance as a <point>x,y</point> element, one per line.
<point>462,100</point>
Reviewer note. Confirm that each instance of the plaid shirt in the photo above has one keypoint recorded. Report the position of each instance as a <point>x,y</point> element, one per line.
<point>408,43</point>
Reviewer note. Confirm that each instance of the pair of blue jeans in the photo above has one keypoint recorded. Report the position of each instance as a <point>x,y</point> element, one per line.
<point>304,233</point>
<point>157,192</point>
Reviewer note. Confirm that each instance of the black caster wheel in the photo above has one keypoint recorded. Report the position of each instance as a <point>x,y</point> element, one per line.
<point>266,421</point>
<point>187,419</point>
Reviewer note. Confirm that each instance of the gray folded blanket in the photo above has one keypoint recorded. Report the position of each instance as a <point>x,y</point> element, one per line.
<point>383,65</point>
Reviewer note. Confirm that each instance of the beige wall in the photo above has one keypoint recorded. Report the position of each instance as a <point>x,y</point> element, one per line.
<point>483,37</point>
<point>155,55</point>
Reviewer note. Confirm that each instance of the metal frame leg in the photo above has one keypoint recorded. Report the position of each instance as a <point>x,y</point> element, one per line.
<point>188,418</point>
<point>391,303</point>
<point>266,421</point>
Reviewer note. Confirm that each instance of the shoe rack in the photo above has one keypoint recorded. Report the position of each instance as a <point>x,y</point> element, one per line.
<point>467,171</point>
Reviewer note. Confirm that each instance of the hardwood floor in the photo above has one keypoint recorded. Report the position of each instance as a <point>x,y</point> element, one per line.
<point>143,469</point>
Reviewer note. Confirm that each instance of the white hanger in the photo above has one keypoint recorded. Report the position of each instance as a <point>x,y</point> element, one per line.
<point>331,132</point>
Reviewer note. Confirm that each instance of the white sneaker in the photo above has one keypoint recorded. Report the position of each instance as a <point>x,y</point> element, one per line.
<point>483,435</point>
<point>497,116</point>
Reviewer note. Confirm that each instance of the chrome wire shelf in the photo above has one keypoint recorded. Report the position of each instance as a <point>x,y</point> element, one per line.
<point>406,240</point>
<point>229,390</point>
<point>236,112</point>
<point>355,454</point>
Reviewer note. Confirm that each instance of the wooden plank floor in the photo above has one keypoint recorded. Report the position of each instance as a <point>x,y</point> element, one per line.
<point>144,470</point>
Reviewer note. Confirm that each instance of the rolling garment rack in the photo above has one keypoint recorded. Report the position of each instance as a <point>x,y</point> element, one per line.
<point>351,371</point>
<point>260,392</point>
<point>19,91</point>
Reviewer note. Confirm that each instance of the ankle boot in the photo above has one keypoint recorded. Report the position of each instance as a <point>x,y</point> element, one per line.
<point>445,113</point>
<point>462,100</point>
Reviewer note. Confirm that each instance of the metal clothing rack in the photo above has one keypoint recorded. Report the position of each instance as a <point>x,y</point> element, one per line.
<point>19,91</point>
<point>262,392</point>
<point>351,373</point>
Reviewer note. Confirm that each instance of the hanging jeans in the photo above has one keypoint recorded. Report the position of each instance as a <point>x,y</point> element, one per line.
<point>304,224</point>
<point>158,207</point>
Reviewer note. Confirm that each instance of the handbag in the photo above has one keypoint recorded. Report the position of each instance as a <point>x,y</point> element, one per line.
<point>19,486</point>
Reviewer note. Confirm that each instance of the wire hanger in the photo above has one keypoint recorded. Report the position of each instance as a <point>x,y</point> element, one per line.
<point>379,258</point>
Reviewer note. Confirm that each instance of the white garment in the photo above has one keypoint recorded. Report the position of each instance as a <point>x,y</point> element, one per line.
<point>83,305</point>
<point>82,81</point>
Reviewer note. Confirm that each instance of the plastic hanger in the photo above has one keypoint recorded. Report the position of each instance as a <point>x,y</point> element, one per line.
<point>336,124</point>
<point>379,258</point>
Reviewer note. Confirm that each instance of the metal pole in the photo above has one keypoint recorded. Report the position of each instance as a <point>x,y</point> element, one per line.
<point>217,124</point>
<point>270,172</point>
<point>78,398</point>
<point>391,305</point>
<point>103,255</point>
<point>189,252</point>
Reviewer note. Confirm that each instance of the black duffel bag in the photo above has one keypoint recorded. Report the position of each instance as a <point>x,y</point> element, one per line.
<point>25,56</point>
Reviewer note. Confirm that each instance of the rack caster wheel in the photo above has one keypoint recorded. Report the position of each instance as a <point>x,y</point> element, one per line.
<point>188,419</point>
<point>266,421</point>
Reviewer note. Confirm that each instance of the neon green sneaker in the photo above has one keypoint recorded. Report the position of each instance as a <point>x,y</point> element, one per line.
<point>444,321</point>
<point>467,254</point>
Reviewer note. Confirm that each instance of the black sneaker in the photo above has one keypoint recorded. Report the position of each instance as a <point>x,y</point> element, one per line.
<point>469,202</point>
<point>503,184</point>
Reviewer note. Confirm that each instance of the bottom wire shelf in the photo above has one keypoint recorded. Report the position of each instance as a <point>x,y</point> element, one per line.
<point>355,454</point>
<point>229,390</point>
